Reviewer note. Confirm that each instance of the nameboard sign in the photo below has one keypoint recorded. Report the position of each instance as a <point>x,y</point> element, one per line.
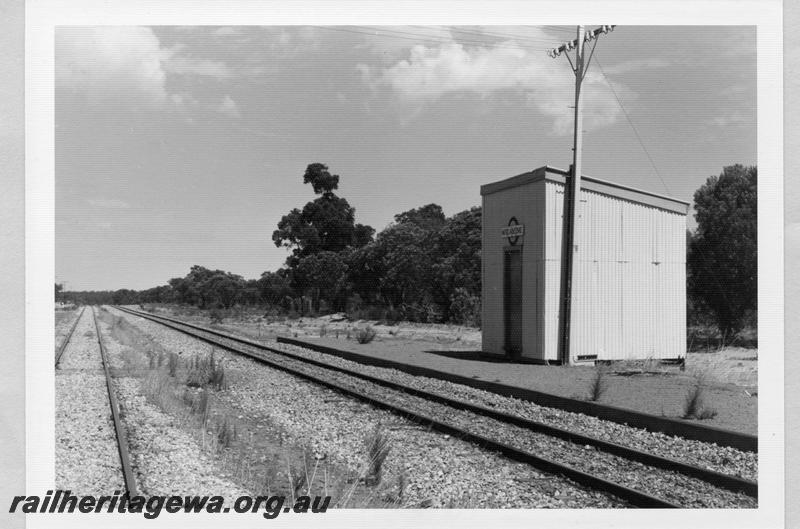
<point>513,231</point>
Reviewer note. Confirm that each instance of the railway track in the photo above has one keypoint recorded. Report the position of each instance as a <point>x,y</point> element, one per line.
<point>119,428</point>
<point>65,341</point>
<point>491,428</point>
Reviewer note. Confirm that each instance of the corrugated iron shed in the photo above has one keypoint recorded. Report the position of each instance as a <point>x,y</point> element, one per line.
<point>629,288</point>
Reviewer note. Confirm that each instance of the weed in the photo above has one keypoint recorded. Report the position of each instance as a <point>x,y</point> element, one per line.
<point>598,385</point>
<point>365,335</point>
<point>198,403</point>
<point>206,370</point>
<point>694,404</point>
<point>172,364</point>
<point>706,413</point>
<point>226,433</point>
<point>401,485</point>
<point>378,448</point>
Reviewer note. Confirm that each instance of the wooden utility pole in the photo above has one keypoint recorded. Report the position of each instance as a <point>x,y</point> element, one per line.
<point>571,242</point>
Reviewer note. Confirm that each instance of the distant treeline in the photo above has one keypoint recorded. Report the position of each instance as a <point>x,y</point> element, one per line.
<point>423,267</point>
<point>426,267</point>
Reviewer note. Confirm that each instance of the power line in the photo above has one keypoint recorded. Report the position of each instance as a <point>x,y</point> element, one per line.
<point>420,38</point>
<point>700,249</point>
<point>493,34</point>
<point>630,122</point>
<point>444,38</point>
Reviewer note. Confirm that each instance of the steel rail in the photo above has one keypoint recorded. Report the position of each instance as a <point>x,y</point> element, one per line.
<point>65,341</point>
<point>718,479</point>
<point>633,496</point>
<point>119,428</point>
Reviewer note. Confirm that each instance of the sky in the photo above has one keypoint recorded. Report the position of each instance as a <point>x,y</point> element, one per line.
<point>178,146</point>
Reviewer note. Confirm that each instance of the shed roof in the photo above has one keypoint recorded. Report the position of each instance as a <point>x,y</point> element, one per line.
<point>591,184</point>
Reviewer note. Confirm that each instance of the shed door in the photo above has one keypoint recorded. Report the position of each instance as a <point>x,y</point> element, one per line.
<point>512,300</point>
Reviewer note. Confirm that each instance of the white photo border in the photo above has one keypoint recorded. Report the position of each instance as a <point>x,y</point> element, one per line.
<point>43,16</point>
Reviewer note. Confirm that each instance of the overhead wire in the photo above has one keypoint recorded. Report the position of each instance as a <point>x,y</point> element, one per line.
<point>633,127</point>
<point>416,37</point>
<point>509,36</point>
<point>699,247</point>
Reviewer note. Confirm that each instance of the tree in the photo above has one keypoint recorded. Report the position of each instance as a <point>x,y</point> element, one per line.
<point>722,257</point>
<point>321,276</point>
<point>274,286</point>
<point>320,179</point>
<point>457,271</point>
<point>326,224</point>
<point>430,217</point>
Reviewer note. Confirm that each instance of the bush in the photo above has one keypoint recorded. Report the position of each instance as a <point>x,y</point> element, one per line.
<point>365,335</point>
<point>465,308</point>
<point>216,316</point>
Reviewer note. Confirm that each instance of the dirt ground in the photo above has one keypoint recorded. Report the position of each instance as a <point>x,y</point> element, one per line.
<point>728,377</point>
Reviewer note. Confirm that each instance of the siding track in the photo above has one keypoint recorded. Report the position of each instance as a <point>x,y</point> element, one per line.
<point>119,435</point>
<point>65,341</point>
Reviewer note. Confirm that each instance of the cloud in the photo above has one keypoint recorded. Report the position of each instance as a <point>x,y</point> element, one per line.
<point>110,63</point>
<point>109,203</point>
<point>202,67</point>
<point>127,65</point>
<point>228,107</point>
<point>432,73</point>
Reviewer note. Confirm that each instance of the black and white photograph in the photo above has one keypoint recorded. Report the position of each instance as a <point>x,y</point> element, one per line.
<point>391,266</point>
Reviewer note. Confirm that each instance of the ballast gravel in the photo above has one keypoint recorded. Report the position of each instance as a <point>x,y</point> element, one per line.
<point>437,470</point>
<point>166,459</point>
<point>63,326</point>
<point>672,486</point>
<point>722,459</point>
<point>86,458</point>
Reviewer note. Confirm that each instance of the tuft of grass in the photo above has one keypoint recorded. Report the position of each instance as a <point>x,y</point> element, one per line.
<point>598,385</point>
<point>226,433</point>
<point>694,404</point>
<point>378,447</point>
<point>198,403</point>
<point>172,364</point>
<point>365,335</point>
<point>206,370</point>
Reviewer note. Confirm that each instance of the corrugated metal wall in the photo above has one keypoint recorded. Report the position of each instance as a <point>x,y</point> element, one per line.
<point>629,289</point>
<point>527,204</point>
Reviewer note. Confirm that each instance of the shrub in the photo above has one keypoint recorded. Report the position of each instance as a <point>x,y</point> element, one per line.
<point>216,316</point>
<point>365,335</point>
<point>465,308</point>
